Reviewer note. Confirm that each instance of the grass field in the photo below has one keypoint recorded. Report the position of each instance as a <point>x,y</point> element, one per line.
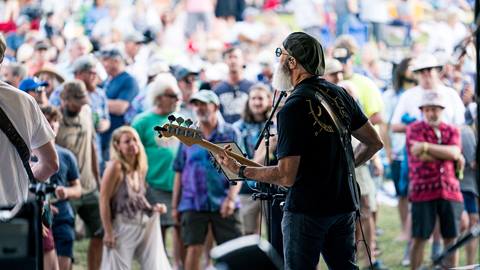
<point>392,251</point>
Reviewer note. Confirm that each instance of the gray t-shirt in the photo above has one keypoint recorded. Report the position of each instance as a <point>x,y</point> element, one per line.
<point>469,144</point>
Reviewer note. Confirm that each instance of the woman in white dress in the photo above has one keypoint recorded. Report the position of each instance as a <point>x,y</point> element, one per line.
<point>131,224</point>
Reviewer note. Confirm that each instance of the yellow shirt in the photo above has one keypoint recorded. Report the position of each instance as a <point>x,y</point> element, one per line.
<point>368,93</point>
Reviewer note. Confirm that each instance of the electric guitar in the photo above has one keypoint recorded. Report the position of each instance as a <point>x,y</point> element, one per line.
<point>190,136</point>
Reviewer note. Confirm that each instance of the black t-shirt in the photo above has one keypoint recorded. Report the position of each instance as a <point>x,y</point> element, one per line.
<point>305,129</point>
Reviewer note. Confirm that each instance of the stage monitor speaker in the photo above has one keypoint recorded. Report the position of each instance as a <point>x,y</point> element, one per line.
<point>21,237</point>
<point>247,252</point>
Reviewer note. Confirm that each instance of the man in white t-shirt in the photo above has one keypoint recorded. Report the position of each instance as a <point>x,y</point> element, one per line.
<point>426,68</point>
<point>32,126</point>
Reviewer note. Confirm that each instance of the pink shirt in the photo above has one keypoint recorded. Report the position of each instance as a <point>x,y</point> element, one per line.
<point>436,179</point>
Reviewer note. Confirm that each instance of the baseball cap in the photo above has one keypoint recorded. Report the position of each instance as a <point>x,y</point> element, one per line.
<point>41,45</point>
<point>205,96</point>
<point>181,72</point>
<point>110,53</point>
<point>306,50</point>
<point>432,98</point>
<point>31,84</point>
<point>76,91</point>
<point>135,37</point>
<point>84,63</point>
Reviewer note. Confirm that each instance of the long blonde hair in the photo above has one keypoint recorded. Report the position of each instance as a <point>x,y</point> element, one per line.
<point>140,159</point>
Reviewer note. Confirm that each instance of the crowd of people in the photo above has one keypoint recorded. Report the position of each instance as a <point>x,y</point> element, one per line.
<point>106,73</point>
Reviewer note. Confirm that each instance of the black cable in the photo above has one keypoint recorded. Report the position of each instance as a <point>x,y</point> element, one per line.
<point>367,248</point>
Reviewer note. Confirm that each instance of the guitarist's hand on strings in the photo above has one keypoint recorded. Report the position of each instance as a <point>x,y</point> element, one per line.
<point>228,162</point>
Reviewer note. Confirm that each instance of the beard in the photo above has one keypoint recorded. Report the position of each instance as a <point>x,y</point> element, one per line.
<point>68,113</point>
<point>282,80</point>
<point>434,122</point>
<point>203,118</point>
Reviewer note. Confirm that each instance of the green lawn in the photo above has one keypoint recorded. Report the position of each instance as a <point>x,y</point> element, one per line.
<point>392,251</point>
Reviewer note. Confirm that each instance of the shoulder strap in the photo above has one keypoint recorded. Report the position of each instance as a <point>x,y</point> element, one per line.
<point>12,134</point>
<point>346,143</point>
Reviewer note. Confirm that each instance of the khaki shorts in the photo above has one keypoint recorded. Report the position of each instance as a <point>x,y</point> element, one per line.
<point>249,213</point>
<point>367,185</point>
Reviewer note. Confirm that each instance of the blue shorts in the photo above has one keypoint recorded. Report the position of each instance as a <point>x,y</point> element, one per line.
<point>400,181</point>
<point>470,202</point>
<point>64,235</point>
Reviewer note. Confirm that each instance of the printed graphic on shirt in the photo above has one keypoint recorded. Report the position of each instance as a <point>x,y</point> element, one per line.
<point>233,102</point>
<point>316,117</point>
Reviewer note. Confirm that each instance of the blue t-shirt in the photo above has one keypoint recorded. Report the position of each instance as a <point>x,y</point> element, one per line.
<point>14,41</point>
<point>123,87</point>
<point>232,99</point>
<point>67,172</point>
<point>203,187</point>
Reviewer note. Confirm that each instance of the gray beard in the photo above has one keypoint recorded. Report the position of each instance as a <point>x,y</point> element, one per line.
<point>281,79</point>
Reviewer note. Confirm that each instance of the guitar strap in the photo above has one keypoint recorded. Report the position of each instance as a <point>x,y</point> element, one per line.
<point>22,149</point>
<point>345,141</point>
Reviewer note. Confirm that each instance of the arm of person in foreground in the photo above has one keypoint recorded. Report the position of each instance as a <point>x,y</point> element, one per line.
<point>370,143</point>
<point>47,163</point>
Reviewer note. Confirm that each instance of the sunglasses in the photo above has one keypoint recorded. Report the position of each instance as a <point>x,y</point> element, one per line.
<point>425,69</point>
<point>189,79</point>
<point>279,52</point>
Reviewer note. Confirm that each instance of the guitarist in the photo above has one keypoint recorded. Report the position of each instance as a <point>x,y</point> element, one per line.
<point>320,207</point>
<point>201,195</point>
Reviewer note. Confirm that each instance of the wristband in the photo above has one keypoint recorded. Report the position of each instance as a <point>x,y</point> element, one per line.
<point>241,171</point>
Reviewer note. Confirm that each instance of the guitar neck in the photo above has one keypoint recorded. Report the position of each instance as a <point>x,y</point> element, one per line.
<point>215,149</point>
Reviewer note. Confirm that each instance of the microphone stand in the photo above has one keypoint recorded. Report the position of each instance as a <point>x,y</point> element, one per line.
<point>269,195</point>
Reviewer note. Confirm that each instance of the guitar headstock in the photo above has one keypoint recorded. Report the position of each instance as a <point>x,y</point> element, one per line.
<point>185,134</point>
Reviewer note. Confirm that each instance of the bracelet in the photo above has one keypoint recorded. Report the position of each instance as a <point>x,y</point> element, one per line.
<point>425,148</point>
<point>241,171</point>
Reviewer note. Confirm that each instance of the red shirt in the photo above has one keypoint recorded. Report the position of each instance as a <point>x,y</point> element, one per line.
<point>436,179</point>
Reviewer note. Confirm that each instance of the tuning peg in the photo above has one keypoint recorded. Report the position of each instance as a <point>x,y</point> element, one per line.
<point>159,129</point>
<point>180,121</point>
<point>171,118</point>
<point>188,122</point>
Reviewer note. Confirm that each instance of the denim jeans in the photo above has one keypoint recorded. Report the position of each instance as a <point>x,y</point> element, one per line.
<point>306,236</point>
